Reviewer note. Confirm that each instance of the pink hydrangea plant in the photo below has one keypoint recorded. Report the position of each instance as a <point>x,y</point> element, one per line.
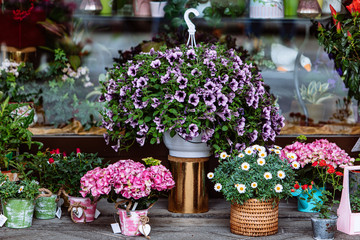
<point>128,179</point>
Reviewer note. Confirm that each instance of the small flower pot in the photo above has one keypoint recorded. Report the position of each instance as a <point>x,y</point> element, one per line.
<point>157,8</point>
<point>129,223</point>
<point>141,8</point>
<point>303,204</point>
<point>88,209</point>
<point>324,228</point>
<point>19,212</point>
<point>266,9</point>
<point>45,207</point>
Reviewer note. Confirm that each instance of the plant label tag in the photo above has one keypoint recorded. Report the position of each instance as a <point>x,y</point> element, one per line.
<point>60,202</point>
<point>2,220</point>
<point>356,147</point>
<point>135,206</point>
<point>97,213</point>
<point>116,228</point>
<point>58,213</point>
<point>145,229</point>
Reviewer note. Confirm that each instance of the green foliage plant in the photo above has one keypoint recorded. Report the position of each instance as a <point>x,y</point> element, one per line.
<point>55,169</point>
<point>253,174</point>
<point>315,92</point>
<point>24,189</point>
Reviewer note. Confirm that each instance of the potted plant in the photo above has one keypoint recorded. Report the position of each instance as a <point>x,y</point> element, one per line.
<point>314,96</point>
<point>13,132</point>
<point>219,9</point>
<point>305,158</point>
<point>157,8</point>
<point>17,199</point>
<point>340,41</point>
<point>61,173</point>
<point>138,185</point>
<point>324,223</point>
<point>207,92</point>
<point>253,181</point>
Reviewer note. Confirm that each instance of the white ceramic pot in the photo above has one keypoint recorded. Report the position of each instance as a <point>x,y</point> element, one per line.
<point>266,9</point>
<point>157,8</point>
<point>179,147</point>
<point>326,6</point>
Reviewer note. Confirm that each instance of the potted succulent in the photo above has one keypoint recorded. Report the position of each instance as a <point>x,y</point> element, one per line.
<point>306,158</point>
<point>253,181</point>
<point>138,185</point>
<point>17,199</point>
<point>61,173</point>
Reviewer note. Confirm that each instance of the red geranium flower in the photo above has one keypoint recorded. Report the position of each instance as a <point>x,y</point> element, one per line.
<point>322,163</point>
<point>315,163</point>
<point>304,187</point>
<point>78,150</point>
<point>51,160</point>
<point>339,173</point>
<point>296,186</point>
<point>52,152</point>
<point>292,190</point>
<point>354,7</point>
<point>310,187</point>
<point>57,151</point>
<point>331,170</point>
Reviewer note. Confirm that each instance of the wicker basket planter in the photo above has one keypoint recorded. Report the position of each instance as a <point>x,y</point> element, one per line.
<point>254,218</point>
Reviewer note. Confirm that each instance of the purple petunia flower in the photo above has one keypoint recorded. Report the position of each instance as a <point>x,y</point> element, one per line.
<point>160,128</point>
<point>132,71</point>
<point>141,82</point>
<point>195,72</point>
<point>209,98</point>
<point>165,78</point>
<point>240,127</point>
<point>155,64</point>
<point>193,130</point>
<point>141,141</point>
<point>266,112</point>
<point>234,85</point>
<point>155,102</point>
<point>253,136</point>
<point>193,99</point>
<point>191,54</point>
<point>182,82</point>
<point>180,96</point>
<point>207,134</point>
<point>222,99</point>
<point>117,146</point>
<point>240,146</point>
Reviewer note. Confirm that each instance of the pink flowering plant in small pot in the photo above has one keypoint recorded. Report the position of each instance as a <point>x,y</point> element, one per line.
<point>208,91</point>
<point>303,156</point>
<point>134,182</point>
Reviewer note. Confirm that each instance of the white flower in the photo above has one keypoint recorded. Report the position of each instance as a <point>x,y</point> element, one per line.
<point>271,149</point>
<point>248,151</point>
<point>218,187</point>
<point>245,166</point>
<point>261,149</point>
<point>237,185</point>
<point>261,161</point>
<point>295,165</point>
<point>277,151</point>
<point>262,154</point>
<point>254,184</point>
<point>241,155</point>
<point>21,189</point>
<point>255,147</point>
<point>277,147</point>
<point>268,175</point>
<point>241,188</point>
<point>291,156</point>
<point>281,174</point>
<point>210,175</point>
<point>278,188</point>
<point>223,155</point>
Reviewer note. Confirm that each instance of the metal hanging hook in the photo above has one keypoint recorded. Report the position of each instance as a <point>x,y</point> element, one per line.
<point>191,26</point>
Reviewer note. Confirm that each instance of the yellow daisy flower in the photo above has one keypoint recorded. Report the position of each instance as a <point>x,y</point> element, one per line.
<point>278,188</point>
<point>254,184</point>
<point>218,187</point>
<point>245,166</point>
<point>223,155</point>
<point>241,188</point>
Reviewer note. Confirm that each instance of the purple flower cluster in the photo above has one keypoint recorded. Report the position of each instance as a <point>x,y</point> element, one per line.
<point>129,179</point>
<point>209,91</point>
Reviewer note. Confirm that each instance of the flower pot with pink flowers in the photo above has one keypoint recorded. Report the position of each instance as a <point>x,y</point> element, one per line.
<point>133,186</point>
<point>308,159</point>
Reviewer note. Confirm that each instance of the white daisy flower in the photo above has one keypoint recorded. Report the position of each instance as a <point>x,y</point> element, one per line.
<point>255,147</point>
<point>295,165</point>
<point>254,184</point>
<point>241,188</point>
<point>237,185</point>
<point>223,155</point>
<point>277,147</point>
<point>277,151</point>
<point>248,151</point>
<point>241,155</point>
<point>281,174</point>
<point>261,149</point>
<point>218,187</point>
<point>291,156</point>
<point>262,154</point>
<point>267,175</point>
<point>261,161</point>
<point>210,175</point>
<point>278,188</point>
<point>21,189</point>
<point>271,149</point>
<point>245,166</point>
